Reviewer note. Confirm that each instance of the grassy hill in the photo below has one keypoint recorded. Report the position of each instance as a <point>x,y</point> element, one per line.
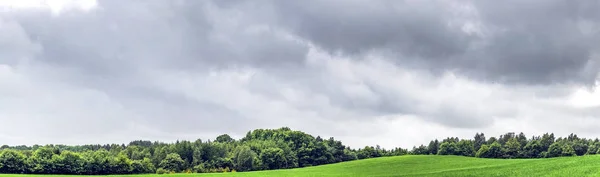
<point>429,166</point>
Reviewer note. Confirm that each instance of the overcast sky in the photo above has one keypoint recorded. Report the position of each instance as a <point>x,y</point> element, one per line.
<point>387,72</point>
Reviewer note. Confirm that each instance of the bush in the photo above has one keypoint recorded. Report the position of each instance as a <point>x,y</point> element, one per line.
<point>200,168</point>
<point>161,171</point>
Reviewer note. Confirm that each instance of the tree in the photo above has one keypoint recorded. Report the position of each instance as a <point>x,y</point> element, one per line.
<point>273,158</point>
<point>555,150</point>
<point>433,147</point>
<point>580,147</point>
<point>244,158</point>
<point>172,162</point>
<point>41,161</point>
<point>448,148</point>
<point>493,151</point>
<point>504,138</point>
<point>69,163</point>
<point>224,138</point>
<point>97,162</point>
<point>120,165</point>
<point>492,140</point>
<point>512,148</point>
<point>144,166</point>
<point>478,141</point>
<point>593,149</point>
<point>483,151</point>
<point>547,140</point>
<point>465,148</point>
<point>12,161</point>
<point>568,150</point>
<point>522,139</point>
<point>421,150</point>
<point>533,149</point>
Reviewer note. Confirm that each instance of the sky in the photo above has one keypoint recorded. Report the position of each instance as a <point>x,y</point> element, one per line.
<point>394,73</point>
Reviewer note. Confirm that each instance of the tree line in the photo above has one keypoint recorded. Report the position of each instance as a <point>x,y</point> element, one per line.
<point>511,145</point>
<point>261,149</point>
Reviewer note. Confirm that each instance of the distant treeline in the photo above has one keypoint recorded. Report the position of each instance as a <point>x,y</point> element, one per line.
<point>261,149</point>
<point>511,145</point>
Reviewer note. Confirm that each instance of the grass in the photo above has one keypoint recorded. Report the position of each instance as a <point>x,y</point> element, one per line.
<point>427,166</point>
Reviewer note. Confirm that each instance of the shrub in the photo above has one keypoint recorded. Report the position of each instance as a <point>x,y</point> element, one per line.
<point>161,171</point>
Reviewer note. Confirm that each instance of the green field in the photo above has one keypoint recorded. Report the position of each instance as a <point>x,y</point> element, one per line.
<point>430,166</point>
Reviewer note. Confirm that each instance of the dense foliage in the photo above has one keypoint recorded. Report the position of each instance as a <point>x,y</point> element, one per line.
<point>511,145</point>
<point>262,149</point>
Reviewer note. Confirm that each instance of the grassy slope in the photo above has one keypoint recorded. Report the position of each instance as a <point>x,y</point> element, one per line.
<point>431,166</point>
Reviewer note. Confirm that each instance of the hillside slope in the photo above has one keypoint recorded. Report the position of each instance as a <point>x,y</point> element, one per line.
<point>445,166</point>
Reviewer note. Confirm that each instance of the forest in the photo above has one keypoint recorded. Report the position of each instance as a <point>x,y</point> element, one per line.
<point>263,149</point>
<point>511,145</point>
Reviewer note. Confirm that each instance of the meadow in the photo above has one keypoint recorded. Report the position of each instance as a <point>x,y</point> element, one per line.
<point>423,165</point>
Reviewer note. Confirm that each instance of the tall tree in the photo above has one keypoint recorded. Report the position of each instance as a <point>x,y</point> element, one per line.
<point>478,141</point>
<point>433,146</point>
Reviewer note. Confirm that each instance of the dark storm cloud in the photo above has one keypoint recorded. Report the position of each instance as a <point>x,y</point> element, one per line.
<point>524,42</point>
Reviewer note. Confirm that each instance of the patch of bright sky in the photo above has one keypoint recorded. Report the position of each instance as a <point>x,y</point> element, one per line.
<point>584,97</point>
<point>55,6</point>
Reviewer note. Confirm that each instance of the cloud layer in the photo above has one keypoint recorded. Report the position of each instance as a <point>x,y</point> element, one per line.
<point>394,73</point>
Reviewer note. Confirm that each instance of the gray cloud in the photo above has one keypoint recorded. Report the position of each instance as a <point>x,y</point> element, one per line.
<point>187,69</point>
<point>523,42</point>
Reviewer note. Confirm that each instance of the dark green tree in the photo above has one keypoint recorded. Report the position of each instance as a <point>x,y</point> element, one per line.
<point>273,158</point>
<point>478,141</point>
<point>433,146</point>
<point>172,162</point>
<point>465,148</point>
<point>555,150</point>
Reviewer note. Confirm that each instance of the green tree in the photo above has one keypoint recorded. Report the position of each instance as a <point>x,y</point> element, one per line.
<point>12,161</point>
<point>465,148</point>
<point>41,161</point>
<point>421,150</point>
<point>273,158</point>
<point>433,147</point>
<point>448,148</point>
<point>533,149</point>
<point>69,163</point>
<point>568,150</point>
<point>491,140</point>
<point>120,165</point>
<point>244,158</point>
<point>144,166</point>
<point>522,139</point>
<point>512,148</point>
<point>478,141</point>
<point>493,151</point>
<point>580,147</point>
<point>172,162</point>
<point>593,149</point>
<point>224,138</point>
<point>555,150</point>
<point>547,140</point>
<point>483,151</point>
